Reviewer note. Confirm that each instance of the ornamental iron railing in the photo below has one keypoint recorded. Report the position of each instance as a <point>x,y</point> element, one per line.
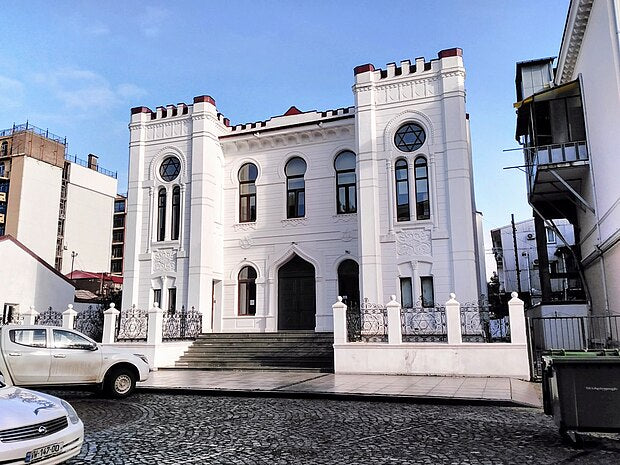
<point>90,323</point>
<point>423,324</point>
<point>182,325</point>
<point>480,324</point>
<point>49,317</point>
<point>367,323</point>
<point>132,325</point>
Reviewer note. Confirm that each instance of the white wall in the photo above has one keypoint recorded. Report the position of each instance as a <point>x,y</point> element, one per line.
<point>27,282</point>
<point>88,225</point>
<point>39,206</point>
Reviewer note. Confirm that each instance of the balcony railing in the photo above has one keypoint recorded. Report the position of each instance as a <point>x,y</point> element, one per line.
<point>543,155</point>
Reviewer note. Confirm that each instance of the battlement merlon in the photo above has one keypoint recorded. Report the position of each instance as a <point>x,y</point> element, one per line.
<point>202,104</point>
<point>367,74</point>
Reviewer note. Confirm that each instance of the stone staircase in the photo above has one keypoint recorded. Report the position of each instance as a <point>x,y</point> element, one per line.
<point>285,350</point>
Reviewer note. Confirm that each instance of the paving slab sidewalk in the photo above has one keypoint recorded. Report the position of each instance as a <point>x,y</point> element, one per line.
<point>506,391</point>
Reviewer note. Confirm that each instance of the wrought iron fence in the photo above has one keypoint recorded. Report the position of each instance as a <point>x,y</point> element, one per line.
<point>182,325</point>
<point>49,317</point>
<point>570,333</point>
<point>367,323</point>
<point>90,323</point>
<point>423,324</point>
<point>480,324</point>
<point>132,325</point>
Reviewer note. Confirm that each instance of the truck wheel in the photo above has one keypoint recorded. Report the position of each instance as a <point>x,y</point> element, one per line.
<point>120,382</point>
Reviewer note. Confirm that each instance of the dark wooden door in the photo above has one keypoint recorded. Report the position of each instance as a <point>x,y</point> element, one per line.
<point>349,283</point>
<point>296,295</point>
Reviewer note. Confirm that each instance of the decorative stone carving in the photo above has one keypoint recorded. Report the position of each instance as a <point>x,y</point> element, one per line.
<point>345,218</point>
<point>245,242</point>
<point>244,227</point>
<point>416,242</point>
<point>291,222</point>
<point>347,236</point>
<point>164,260</point>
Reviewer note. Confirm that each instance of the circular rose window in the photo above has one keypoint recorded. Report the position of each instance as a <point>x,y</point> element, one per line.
<point>170,169</point>
<point>409,137</point>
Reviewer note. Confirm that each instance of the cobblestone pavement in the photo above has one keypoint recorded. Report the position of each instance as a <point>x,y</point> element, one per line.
<point>194,429</point>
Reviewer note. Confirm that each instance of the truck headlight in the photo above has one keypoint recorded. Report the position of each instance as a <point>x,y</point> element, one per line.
<point>70,412</point>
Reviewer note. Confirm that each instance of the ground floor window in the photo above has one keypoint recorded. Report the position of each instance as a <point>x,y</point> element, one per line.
<point>406,293</point>
<point>428,293</point>
<point>157,296</point>
<point>247,291</point>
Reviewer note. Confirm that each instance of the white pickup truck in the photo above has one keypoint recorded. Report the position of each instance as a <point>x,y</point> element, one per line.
<point>53,356</point>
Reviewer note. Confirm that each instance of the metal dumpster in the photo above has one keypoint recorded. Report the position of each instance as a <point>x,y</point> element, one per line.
<point>581,389</point>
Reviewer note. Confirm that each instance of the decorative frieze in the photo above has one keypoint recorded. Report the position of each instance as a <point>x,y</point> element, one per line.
<point>164,260</point>
<point>243,227</point>
<point>292,222</point>
<point>168,129</point>
<point>413,242</point>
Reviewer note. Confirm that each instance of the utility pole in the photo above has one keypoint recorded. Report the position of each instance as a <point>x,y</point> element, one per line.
<point>73,255</point>
<point>514,243</point>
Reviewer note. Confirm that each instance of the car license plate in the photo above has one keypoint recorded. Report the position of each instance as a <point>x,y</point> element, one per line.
<point>43,452</point>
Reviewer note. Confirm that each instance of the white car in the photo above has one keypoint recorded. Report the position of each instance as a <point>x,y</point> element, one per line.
<point>37,428</point>
<point>53,356</point>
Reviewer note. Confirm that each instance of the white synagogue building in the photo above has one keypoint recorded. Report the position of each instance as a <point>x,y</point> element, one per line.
<point>261,226</point>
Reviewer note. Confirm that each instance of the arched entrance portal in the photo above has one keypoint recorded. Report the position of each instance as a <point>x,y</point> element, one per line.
<point>349,283</point>
<point>296,295</point>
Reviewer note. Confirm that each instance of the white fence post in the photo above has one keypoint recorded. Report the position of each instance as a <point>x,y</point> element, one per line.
<point>453,320</point>
<point>109,324</point>
<point>516,312</point>
<point>155,325</point>
<point>340,321</point>
<point>68,317</point>
<point>30,316</point>
<point>395,335</point>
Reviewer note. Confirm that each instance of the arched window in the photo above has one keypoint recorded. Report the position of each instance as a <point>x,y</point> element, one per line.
<point>4,149</point>
<point>345,182</point>
<point>161,214</point>
<point>422,200</point>
<point>295,188</point>
<point>402,191</point>
<point>247,193</point>
<point>176,212</point>
<point>247,291</point>
<point>170,169</point>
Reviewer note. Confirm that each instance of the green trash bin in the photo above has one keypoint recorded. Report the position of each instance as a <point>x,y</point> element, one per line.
<point>581,389</point>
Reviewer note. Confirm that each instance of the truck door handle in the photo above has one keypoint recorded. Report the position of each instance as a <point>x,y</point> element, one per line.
<point>60,356</point>
<point>14,354</point>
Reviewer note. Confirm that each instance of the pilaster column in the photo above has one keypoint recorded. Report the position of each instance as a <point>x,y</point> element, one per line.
<point>339,310</point>
<point>453,320</point>
<point>68,317</point>
<point>109,324</point>
<point>395,335</point>
<point>155,325</point>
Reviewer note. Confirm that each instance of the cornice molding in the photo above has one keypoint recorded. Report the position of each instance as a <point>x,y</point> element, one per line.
<point>576,23</point>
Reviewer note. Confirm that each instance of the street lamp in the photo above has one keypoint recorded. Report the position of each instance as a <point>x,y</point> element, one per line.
<point>73,255</point>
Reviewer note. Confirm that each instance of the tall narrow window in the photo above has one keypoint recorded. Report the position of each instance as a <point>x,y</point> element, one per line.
<point>422,201</point>
<point>247,291</point>
<point>345,182</point>
<point>428,293</point>
<point>4,149</point>
<point>172,299</point>
<point>247,193</point>
<point>157,296</point>
<point>295,188</point>
<point>406,293</point>
<point>161,214</point>
<point>402,191</point>
<point>176,212</point>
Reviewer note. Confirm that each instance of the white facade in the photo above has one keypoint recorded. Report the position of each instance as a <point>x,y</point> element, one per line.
<point>29,281</point>
<point>590,52</point>
<point>213,246</point>
<point>89,216</point>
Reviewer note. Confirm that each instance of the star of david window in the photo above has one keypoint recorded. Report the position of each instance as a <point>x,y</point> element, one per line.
<point>409,137</point>
<point>170,169</point>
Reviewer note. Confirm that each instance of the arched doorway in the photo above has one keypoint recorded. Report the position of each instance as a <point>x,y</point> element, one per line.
<point>296,295</point>
<point>349,283</point>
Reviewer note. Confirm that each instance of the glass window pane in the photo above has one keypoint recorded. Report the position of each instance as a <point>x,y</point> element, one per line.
<point>296,183</point>
<point>409,137</point>
<point>29,337</point>
<point>342,200</point>
<point>352,200</point>
<point>345,161</point>
<point>69,340</point>
<point>406,293</point>
<point>295,166</point>
<point>401,174</point>
<point>248,172</point>
<point>301,208</point>
<point>428,299</point>
<point>346,178</point>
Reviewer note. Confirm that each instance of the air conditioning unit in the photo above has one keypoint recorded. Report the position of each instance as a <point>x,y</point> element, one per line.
<point>2,196</point>
<point>530,237</point>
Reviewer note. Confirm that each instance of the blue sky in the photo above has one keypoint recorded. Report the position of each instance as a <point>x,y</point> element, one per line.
<point>78,67</point>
